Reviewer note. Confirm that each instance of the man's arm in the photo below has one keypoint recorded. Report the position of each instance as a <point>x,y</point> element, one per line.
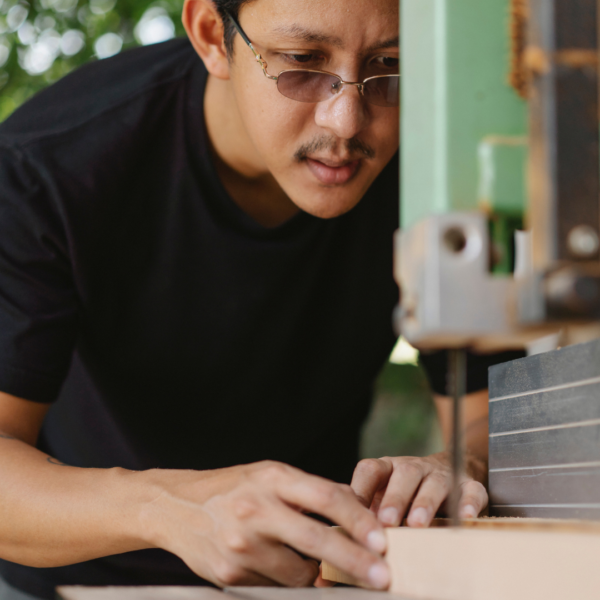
<point>415,488</point>
<point>241,525</point>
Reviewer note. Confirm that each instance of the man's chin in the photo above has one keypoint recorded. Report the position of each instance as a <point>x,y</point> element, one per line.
<point>324,207</point>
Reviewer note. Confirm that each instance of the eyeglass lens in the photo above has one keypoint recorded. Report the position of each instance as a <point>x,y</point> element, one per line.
<point>312,86</point>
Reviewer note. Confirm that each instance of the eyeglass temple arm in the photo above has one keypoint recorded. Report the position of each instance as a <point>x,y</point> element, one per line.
<point>240,31</point>
<point>258,57</point>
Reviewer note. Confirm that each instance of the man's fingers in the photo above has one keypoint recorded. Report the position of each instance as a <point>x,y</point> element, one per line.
<point>310,537</point>
<point>473,499</point>
<point>283,566</point>
<point>336,502</point>
<point>433,491</point>
<point>376,502</point>
<point>370,475</point>
<point>401,488</point>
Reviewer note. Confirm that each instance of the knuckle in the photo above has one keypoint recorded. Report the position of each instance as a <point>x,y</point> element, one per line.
<point>312,541</point>
<point>326,494</point>
<point>346,489</point>
<point>441,479</point>
<point>228,574</point>
<point>368,467</point>
<point>410,469</point>
<point>244,508</point>
<point>237,543</point>
<point>271,471</point>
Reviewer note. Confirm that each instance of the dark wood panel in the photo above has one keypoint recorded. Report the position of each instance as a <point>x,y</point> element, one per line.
<point>551,512</point>
<point>579,485</point>
<point>560,367</point>
<point>543,409</point>
<point>547,447</point>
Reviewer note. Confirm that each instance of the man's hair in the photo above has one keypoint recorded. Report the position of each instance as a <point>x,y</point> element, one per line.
<point>233,8</point>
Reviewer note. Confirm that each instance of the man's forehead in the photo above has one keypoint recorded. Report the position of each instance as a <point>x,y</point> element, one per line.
<point>302,33</point>
<point>335,23</point>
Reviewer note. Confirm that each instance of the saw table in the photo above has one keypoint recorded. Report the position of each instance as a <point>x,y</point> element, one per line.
<point>206,593</point>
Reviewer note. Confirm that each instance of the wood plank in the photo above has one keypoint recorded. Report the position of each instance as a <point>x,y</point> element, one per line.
<point>78,592</point>
<point>472,564</point>
<point>496,559</point>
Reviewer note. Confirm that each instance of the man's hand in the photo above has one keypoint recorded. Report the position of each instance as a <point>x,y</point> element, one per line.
<point>415,488</point>
<point>245,526</point>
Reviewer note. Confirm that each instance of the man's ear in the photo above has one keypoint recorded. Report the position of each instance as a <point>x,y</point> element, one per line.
<point>205,30</point>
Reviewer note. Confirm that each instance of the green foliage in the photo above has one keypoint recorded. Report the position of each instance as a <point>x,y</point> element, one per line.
<point>42,40</point>
<point>402,420</point>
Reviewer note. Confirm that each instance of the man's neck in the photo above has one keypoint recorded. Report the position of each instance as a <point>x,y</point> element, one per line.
<point>250,184</point>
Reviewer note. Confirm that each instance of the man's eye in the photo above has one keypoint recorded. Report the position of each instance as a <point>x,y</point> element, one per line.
<point>300,59</point>
<point>389,62</point>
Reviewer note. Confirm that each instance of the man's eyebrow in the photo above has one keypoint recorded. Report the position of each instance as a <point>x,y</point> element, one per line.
<point>390,43</point>
<point>303,34</point>
<point>300,33</point>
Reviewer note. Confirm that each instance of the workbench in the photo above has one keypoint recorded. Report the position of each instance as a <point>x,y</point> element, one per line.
<point>207,593</point>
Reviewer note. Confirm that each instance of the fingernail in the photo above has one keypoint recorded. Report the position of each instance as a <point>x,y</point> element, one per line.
<point>376,541</point>
<point>469,512</point>
<point>389,516</point>
<point>418,517</point>
<point>379,576</point>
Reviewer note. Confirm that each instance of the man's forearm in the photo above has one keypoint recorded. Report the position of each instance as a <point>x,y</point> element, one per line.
<point>54,514</point>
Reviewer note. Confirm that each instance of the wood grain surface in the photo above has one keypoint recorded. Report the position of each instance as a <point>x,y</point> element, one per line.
<point>493,559</point>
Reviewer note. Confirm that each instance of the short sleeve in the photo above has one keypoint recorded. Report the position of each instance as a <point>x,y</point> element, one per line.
<point>38,301</point>
<point>436,368</point>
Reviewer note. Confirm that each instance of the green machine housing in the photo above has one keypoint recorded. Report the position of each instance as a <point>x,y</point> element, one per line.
<point>467,162</point>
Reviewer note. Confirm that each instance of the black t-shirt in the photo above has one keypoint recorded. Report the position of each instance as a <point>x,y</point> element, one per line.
<point>167,327</point>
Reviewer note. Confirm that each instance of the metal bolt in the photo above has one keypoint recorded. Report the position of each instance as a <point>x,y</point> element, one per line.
<point>583,241</point>
<point>455,239</point>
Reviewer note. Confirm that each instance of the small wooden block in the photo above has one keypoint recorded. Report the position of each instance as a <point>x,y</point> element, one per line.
<point>493,559</point>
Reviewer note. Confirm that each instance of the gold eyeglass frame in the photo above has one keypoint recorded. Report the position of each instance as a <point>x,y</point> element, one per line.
<point>263,64</point>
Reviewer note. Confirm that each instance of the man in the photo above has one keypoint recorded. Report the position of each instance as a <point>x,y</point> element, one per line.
<point>196,267</point>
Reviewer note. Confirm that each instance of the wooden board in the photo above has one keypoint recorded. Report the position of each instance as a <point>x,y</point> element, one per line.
<point>544,435</point>
<point>494,559</point>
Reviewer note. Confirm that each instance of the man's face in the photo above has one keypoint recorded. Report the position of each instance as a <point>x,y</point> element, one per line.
<point>323,155</point>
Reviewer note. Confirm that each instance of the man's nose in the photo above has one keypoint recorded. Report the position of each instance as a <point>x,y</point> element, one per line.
<point>345,114</point>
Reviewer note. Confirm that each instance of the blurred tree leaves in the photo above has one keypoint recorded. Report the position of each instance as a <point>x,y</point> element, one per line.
<point>42,40</point>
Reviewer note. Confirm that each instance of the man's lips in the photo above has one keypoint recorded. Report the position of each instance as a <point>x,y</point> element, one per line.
<point>333,173</point>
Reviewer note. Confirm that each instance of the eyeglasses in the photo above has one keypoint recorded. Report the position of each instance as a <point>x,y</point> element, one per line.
<point>307,85</point>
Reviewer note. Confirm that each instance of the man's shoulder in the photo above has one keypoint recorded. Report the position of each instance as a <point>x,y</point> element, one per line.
<point>96,89</point>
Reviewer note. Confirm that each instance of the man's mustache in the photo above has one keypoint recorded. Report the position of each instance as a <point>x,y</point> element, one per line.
<point>353,146</point>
